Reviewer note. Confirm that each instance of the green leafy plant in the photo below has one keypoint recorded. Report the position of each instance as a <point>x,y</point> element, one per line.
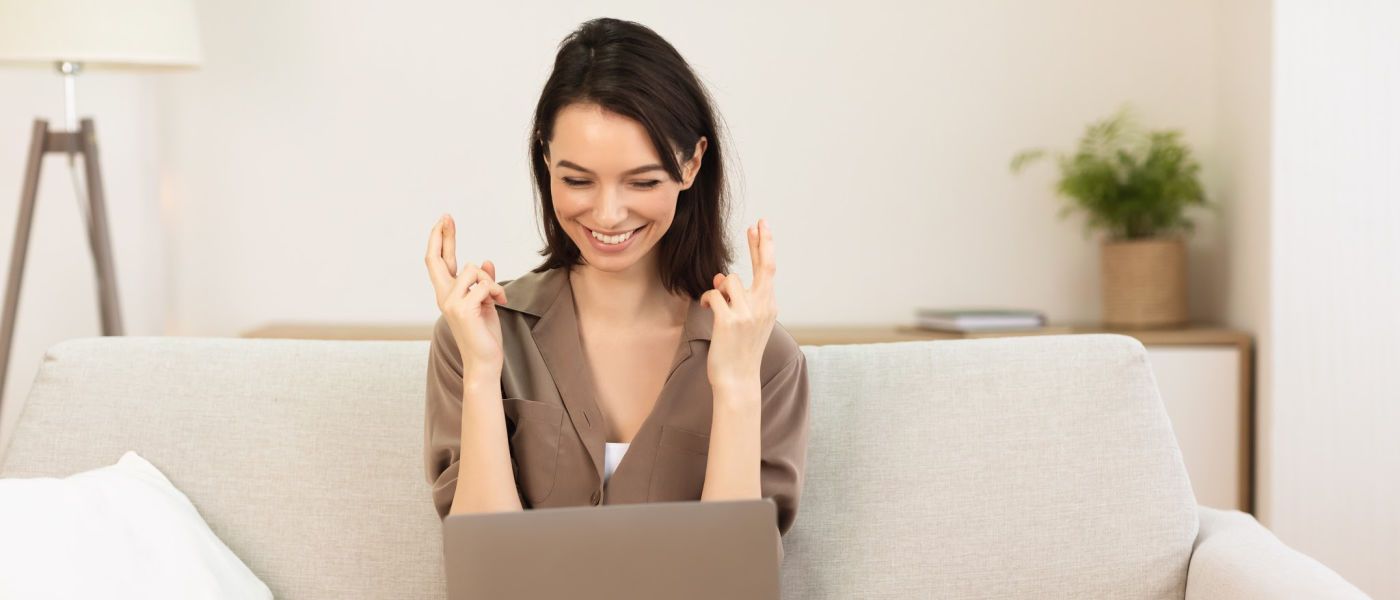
<point>1132,184</point>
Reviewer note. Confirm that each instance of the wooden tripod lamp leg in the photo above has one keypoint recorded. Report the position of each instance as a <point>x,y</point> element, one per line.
<point>99,239</point>
<point>42,142</point>
<point>37,141</point>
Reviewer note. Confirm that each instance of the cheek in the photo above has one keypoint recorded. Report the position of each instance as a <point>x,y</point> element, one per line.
<point>568,201</point>
<point>664,204</point>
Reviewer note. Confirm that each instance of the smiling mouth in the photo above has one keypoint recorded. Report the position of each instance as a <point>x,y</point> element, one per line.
<point>614,238</point>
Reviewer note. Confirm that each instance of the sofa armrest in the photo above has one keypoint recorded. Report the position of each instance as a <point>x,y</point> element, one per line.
<point>1236,557</point>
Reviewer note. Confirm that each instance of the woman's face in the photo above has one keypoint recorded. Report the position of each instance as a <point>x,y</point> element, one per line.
<point>606,177</point>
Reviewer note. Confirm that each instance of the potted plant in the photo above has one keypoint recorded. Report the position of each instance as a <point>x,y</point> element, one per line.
<point>1135,187</point>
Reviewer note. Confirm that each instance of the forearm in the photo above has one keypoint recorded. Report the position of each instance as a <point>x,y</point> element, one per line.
<point>485,480</point>
<point>732,469</point>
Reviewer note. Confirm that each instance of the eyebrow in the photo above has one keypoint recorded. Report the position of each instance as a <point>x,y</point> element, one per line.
<point>641,169</point>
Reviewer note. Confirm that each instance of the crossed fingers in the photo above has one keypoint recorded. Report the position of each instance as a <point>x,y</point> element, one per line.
<point>758,296</point>
<point>448,283</point>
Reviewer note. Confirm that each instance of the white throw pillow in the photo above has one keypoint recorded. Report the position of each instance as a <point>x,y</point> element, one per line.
<point>121,531</point>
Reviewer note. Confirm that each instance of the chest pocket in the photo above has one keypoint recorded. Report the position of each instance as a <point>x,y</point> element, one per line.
<point>679,470</point>
<point>534,428</point>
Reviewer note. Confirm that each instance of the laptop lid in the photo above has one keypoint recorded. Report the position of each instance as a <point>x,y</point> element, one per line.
<point>675,550</point>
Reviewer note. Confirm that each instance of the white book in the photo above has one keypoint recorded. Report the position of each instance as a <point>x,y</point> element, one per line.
<point>980,319</point>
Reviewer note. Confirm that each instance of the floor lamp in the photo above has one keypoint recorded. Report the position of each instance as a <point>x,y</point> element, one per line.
<point>73,35</point>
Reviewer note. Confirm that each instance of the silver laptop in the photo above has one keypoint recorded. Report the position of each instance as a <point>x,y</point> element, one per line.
<point>674,550</point>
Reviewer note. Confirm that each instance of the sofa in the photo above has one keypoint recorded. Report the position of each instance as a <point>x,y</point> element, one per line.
<point>1022,467</point>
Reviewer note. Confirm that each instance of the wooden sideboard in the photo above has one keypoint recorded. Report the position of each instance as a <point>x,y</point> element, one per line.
<point>1205,375</point>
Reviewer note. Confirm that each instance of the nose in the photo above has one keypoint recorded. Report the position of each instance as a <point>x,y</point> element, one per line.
<point>609,211</point>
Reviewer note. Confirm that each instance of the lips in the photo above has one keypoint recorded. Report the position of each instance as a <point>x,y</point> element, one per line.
<point>618,233</point>
<point>605,248</point>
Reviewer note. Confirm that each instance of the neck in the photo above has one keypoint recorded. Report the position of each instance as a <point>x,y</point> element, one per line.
<point>625,298</point>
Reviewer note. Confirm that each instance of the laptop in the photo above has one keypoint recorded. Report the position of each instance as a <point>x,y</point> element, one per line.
<point>675,550</point>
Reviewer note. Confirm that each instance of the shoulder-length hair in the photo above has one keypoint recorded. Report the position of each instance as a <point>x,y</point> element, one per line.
<point>628,69</point>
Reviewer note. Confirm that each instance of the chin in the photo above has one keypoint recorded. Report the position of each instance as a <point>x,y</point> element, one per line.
<point>609,262</point>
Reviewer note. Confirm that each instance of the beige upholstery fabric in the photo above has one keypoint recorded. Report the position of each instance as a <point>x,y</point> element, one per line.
<point>1236,558</point>
<point>305,457</point>
<point>1041,467</point>
<point>1013,468</point>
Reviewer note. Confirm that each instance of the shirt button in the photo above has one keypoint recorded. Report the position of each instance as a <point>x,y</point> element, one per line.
<point>597,496</point>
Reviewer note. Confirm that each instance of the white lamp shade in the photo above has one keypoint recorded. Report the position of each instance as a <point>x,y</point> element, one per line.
<point>101,33</point>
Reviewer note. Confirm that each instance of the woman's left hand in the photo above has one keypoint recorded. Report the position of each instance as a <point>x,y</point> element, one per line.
<point>744,317</point>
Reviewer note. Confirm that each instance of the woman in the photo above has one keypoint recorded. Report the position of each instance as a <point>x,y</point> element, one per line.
<point>630,366</point>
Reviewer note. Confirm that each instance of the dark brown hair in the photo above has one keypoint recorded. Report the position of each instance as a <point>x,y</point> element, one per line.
<point>628,69</point>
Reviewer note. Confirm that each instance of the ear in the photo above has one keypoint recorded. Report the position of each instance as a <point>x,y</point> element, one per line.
<point>692,166</point>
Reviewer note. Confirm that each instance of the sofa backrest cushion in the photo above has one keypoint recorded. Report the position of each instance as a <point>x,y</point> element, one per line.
<point>1026,467</point>
<point>1011,467</point>
<point>304,456</point>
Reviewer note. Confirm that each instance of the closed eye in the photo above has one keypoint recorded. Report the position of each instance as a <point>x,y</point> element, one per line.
<point>643,185</point>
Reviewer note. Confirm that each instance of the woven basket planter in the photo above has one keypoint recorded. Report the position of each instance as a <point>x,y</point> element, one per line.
<point>1144,282</point>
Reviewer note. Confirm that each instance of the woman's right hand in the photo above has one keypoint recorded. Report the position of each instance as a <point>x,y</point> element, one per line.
<point>467,300</point>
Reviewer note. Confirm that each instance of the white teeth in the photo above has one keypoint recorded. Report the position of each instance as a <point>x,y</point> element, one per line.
<point>612,239</point>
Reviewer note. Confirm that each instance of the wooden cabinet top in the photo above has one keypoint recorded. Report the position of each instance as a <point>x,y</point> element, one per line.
<point>1194,335</point>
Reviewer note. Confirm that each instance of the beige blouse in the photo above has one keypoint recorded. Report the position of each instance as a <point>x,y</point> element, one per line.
<point>556,429</point>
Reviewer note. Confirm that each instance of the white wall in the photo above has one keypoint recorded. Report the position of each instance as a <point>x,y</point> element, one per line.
<point>1335,287</point>
<point>315,149</point>
<point>59,300</point>
<point>1309,138</point>
<point>1244,164</point>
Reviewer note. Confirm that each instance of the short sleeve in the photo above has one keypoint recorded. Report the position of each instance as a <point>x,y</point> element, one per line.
<point>442,438</point>
<point>784,439</point>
